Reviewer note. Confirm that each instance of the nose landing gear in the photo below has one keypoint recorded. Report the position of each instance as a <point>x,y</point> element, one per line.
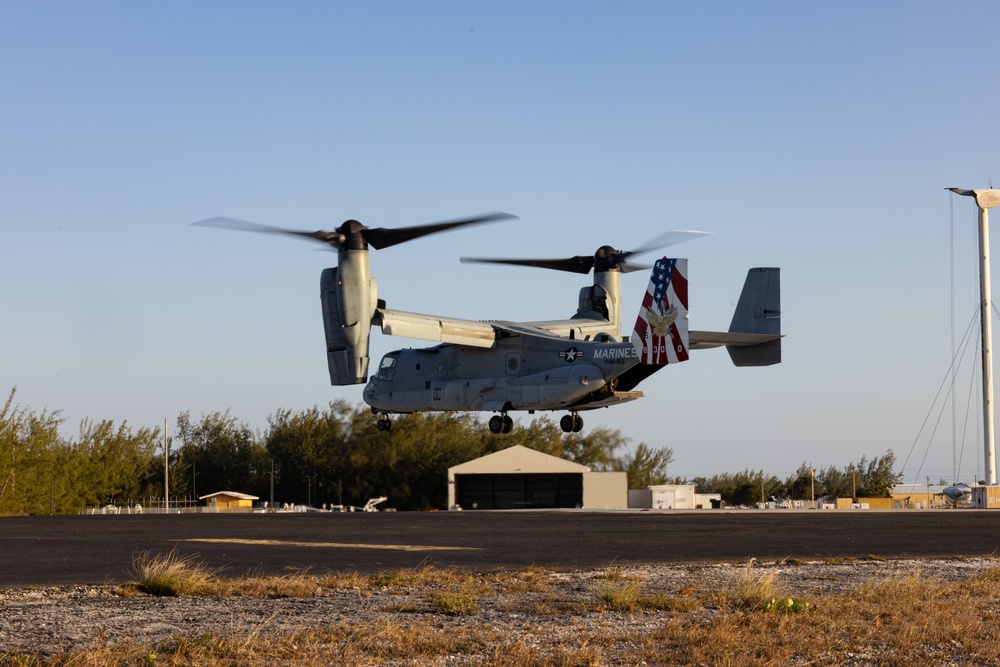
<point>383,423</point>
<point>572,422</point>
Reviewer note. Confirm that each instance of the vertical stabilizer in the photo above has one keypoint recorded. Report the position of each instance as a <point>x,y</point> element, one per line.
<point>758,312</point>
<point>661,330</point>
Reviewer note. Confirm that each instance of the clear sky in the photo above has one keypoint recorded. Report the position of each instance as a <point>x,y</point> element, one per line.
<point>813,136</point>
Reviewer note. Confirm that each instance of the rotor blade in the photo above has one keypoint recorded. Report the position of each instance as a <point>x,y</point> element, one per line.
<point>629,267</point>
<point>578,264</point>
<point>662,241</point>
<point>334,239</point>
<point>608,258</point>
<point>381,237</point>
<point>665,240</point>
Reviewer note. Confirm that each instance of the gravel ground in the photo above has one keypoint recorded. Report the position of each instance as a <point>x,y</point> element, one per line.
<point>49,621</point>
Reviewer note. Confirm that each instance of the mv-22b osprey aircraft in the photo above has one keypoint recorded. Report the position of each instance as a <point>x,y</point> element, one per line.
<point>576,364</point>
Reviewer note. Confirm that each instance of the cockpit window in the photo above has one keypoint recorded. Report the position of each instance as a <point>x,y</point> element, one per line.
<point>387,367</point>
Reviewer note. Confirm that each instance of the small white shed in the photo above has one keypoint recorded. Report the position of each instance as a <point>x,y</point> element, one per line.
<point>670,497</point>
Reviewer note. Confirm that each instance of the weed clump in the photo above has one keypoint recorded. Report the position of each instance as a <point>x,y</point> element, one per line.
<point>748,590</point>
<point>170,574</point>
<point>455,603</point>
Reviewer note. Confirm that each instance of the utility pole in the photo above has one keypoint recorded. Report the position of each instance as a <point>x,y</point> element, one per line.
<point>166,469</point>
<point>985,200</point>
<point>272,485</point>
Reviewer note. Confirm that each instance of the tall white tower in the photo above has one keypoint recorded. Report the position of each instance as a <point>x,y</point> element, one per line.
<point>985,200</point>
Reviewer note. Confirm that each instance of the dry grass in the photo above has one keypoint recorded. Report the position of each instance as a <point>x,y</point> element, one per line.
<point>904,621</point>
<point>170,574</point>
<point>173,575</point>
<point>749,590</point>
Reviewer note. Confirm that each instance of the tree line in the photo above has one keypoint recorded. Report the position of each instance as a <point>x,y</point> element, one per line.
<point>868,478</point>
<point>332,455</point>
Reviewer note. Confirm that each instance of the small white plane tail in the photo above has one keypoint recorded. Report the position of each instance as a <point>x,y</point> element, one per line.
<point>661,329</point>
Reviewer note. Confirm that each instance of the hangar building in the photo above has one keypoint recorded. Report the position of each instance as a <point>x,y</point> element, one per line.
<point>522,478</point>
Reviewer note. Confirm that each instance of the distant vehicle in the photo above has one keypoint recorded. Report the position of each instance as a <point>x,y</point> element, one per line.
<point>575,364</point>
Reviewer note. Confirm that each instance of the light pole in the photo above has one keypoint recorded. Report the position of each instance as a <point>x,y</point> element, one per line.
<point>166,470</point>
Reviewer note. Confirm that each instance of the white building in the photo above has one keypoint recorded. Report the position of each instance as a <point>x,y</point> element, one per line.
<point>671,497</point>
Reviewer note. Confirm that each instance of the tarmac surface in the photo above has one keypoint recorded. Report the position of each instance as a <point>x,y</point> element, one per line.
<point>98,549</point>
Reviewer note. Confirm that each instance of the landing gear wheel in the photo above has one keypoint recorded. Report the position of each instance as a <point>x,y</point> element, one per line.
<point>496,424</point>
<point>383,424</point>
<point>577,423</point>
<point>567,423</point>
<point>508,424</point>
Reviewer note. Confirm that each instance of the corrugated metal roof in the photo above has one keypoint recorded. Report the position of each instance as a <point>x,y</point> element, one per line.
<point>517,459</point>
<point>231,494</point>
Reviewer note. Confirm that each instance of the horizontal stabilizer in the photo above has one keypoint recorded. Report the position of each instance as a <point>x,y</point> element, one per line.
<point>704,340</point>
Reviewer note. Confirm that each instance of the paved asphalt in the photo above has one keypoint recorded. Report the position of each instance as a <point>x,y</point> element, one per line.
<point>48,550</point>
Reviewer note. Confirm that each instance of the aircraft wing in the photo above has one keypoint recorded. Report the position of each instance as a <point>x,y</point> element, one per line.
<point>540,329</point>
<point>432,327</point>
<point>476,333</point>
<point>580,328</point>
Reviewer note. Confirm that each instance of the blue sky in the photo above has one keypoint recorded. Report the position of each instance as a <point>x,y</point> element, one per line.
<point>817,137</point>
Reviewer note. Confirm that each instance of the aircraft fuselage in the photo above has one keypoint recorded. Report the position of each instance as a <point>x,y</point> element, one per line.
<point>519,373</point>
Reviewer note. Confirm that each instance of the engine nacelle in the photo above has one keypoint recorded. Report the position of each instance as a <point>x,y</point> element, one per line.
<point>347,318</point>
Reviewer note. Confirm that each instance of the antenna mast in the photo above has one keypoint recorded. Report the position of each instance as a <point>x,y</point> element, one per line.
<point>166,470</point>
<point>985,200</point>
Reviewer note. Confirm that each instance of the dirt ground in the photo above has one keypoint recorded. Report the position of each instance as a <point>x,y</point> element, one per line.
<point>46,621</point>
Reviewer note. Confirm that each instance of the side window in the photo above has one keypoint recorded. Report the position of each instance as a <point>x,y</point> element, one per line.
<point>387,367</point>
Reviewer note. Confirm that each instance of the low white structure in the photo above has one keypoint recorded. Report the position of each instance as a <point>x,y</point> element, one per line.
<point>522,478</point>
<point>671,497</point>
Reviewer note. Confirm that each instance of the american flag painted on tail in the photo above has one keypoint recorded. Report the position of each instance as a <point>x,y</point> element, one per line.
<point>661,330</point>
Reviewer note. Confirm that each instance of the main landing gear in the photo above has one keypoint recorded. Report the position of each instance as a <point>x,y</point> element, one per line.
<point>572,422</point>
<point>501,424</point>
